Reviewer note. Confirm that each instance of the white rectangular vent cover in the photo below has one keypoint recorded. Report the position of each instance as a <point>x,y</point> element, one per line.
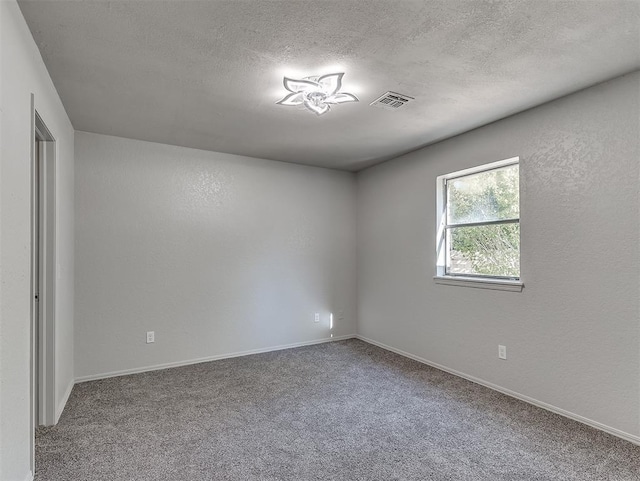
<point>391,101</point>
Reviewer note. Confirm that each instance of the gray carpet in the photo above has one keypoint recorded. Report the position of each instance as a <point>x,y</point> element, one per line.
<point>340,411</point>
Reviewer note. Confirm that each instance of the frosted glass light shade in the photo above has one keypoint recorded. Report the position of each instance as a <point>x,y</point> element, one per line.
<point>317,94</point>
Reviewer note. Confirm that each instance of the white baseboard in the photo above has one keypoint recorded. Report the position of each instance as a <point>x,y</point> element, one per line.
<point>29,476</point>
<point>65,398</point>
<point>549,407</point>
<point>157,367</point>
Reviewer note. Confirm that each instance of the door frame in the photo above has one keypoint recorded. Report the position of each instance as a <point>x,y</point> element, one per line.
<point>43,275</point>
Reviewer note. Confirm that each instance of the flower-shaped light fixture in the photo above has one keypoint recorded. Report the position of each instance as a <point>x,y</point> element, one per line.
<point>316,93</point>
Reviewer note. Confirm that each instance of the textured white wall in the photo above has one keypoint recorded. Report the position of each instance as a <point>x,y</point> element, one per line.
<point>215,253</point>
<point>23,73</point>
<point>572,335</point>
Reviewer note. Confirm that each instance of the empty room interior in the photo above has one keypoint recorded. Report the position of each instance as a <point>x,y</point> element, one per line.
<point>302,240</point>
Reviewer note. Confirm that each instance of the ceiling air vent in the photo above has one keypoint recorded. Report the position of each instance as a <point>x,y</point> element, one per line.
<point>391,101</point>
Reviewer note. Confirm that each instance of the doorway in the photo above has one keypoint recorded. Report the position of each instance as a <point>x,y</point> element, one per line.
<point>43,275</point>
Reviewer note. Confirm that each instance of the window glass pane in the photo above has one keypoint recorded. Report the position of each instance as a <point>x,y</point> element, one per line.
<point>486,196</point>
<point>489,250</point>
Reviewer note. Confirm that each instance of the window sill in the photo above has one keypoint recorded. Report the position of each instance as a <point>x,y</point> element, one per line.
<point>479,283</point>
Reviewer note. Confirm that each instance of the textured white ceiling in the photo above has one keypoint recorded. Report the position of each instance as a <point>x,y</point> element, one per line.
<point>207,74</point>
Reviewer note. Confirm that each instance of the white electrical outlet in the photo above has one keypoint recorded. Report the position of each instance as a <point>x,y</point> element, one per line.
<point>151,337</point>
<point>316,318</point>
<point>502,352</point>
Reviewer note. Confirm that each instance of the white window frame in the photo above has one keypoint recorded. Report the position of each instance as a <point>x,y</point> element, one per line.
<point>441,277</point>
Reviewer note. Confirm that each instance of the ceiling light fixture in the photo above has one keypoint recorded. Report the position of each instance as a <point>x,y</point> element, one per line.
<point>316,93</point>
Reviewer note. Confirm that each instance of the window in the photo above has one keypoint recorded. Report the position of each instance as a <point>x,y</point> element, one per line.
<point>479,226</point>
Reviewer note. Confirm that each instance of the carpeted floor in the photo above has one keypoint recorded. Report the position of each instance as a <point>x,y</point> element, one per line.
<point>339,411</point>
